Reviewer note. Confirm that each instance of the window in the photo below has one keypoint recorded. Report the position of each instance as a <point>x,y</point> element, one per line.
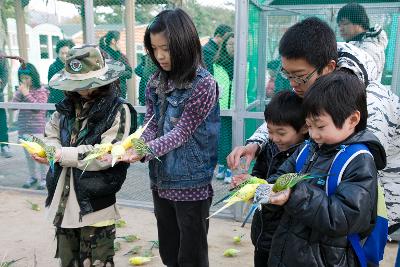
<point>54,40</point>
<point>44,46</point>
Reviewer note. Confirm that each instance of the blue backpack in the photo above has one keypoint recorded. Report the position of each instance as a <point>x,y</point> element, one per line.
<point>371,251</point>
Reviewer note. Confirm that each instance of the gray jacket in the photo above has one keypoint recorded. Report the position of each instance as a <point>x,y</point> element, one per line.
<point>374,42</point>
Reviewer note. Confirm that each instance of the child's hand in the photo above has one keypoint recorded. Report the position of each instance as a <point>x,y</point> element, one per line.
<point>40,160</point>
<point>280,198</point>
<point>131,156</point>
<point>238,179</point>
<point>24,89</point>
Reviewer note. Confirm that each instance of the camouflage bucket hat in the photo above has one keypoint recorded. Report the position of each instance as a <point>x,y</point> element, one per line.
<point>85,68</point>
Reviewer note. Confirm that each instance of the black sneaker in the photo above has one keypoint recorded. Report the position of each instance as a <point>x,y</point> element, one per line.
<point>30,182</point>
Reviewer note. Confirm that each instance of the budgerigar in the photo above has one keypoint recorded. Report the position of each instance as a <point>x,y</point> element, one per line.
<point>264,191</point>
<point>50,151</point>
<point>289,180</point>
<point>31,147</point>
<point>261,196</point>
<point>37,146</point>
<point>244,194</point>
<point>133,140</point>
<point>250,180</point>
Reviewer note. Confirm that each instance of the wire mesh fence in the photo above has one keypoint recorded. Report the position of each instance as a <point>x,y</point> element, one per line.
<point>48,29</point>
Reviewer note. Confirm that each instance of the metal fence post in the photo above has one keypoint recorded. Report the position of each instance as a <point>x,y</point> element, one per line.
<point>239,81</point>
<point>131,48</point>
<point>89,22</point>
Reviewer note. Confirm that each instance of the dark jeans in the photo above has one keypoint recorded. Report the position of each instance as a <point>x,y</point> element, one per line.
<point>260,258</point>
<point>3,126</point>
<point>182,231</point>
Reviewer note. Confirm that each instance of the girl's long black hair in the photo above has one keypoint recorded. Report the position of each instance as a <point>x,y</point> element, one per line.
<point>183,44</point>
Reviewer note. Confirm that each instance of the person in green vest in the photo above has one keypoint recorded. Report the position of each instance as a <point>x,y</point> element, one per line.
<point>144,70</point>
<point>223,74</point>
<point>62,49</point>
<point>4,149</point>
<point>210,49</point>
<point>109,43</point>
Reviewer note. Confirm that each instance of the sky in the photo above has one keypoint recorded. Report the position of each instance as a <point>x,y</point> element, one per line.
<point>69,10</point>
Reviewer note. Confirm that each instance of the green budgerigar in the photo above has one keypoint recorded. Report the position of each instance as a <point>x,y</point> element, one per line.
<point>288,180</point>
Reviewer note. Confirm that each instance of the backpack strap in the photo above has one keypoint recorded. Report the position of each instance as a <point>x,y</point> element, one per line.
<point>339,164</point>
<point>345,155</point>
<point>302,157</point>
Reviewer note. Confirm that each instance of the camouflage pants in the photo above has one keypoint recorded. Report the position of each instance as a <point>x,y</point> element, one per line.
<point>85,247</point>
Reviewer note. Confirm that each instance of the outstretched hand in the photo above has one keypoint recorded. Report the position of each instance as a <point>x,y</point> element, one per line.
<point>131,156</point>
<point>41,160</point>
<point>280,198</point>
<point>248,152</point>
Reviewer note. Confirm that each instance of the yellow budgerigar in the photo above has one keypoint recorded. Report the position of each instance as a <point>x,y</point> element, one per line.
<point>133,140</point>
<point>244,194</point>
<point>31,147</point>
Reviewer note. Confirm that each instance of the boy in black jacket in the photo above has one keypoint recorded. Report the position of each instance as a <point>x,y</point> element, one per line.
<point>314,227</point>
<point>286,128</point>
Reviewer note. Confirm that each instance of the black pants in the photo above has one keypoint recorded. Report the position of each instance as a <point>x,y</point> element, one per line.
<point>261,258</point>
<point>182,231</point>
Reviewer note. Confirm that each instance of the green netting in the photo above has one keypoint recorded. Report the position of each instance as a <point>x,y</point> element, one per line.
<point>67,22</point>
<point>277,16</point>
<point>268,20</point>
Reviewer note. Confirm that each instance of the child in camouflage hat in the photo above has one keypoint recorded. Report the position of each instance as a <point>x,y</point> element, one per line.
<point>82,204</point>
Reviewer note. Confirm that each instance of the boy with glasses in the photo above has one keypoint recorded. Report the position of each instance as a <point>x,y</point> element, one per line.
<point>311,45</point>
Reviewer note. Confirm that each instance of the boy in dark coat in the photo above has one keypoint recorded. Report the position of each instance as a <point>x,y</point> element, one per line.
<point>314,227</point>
<point>287,130</point>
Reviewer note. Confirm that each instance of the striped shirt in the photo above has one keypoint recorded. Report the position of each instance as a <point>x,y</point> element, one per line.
<point>32,121</point>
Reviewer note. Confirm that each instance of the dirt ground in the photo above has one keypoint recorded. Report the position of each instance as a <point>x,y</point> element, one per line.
<point>26,233</point>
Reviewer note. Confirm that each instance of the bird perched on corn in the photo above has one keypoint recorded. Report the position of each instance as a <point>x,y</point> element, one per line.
<point>249,180</point>
<point>118,150</point>
<point>134,141</point>
<point>36,146</point>
<point>243,194</point>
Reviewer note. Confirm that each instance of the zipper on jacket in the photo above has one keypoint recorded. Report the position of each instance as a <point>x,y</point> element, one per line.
<point>311,161</point>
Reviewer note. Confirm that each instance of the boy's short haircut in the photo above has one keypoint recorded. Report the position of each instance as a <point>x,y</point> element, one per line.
<point>355,13</point>
<point>339,94</point>
<point>285,109</point>
<point>222,29</point>
<point>311,39</point>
